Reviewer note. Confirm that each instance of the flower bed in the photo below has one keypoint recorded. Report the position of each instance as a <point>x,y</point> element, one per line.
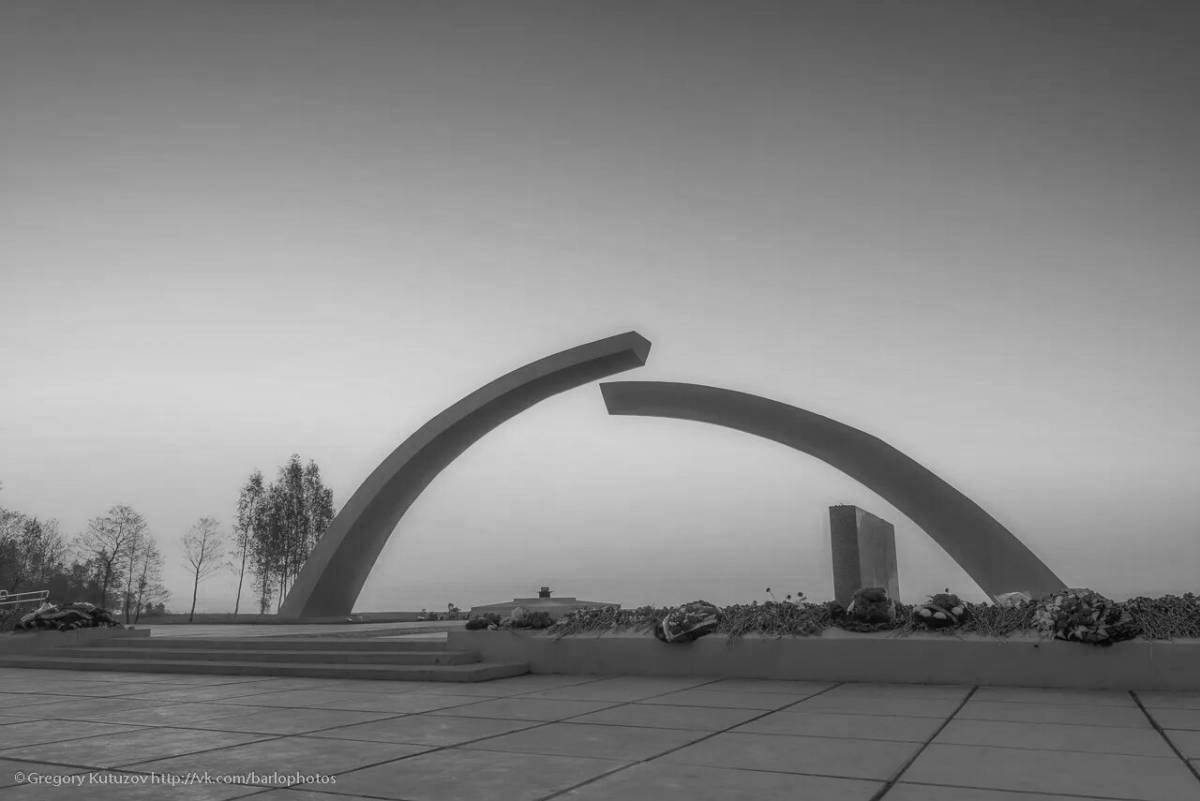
<point>1077,615</point>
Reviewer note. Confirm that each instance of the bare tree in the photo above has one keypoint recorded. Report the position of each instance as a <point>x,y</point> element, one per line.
<point>136,546</point>
<point>149,583</point>
<point>202,547</point>
<point>107,544</point>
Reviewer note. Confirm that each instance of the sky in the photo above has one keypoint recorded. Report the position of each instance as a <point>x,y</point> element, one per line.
<point>233,231</point>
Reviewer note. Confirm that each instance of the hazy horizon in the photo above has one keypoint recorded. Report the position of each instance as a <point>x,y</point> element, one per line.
<point>237,231</point>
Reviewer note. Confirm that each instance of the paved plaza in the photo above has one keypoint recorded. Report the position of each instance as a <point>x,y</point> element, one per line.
<point>70,734</point>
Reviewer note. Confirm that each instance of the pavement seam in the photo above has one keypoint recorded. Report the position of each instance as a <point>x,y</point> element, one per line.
<point>1162,733</point>
<point>890,783</point>
<point>707,736</point>
<point>1037,793</point>
<point>437,748</point>
<point>94,769</point>
<point>622,765</point>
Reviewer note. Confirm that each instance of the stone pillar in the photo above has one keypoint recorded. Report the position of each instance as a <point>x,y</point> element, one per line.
<point>864,553</point>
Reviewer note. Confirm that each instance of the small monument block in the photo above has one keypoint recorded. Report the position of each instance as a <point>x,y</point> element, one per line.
<point>864,553</point>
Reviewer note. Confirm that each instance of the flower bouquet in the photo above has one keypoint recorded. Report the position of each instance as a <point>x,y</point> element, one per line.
<point>870,610</point>
<point>1083,615</point>
<point>942,610</point>
<point>686,623</point>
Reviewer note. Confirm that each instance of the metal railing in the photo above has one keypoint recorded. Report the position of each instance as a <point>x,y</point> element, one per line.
<point>14,598</point>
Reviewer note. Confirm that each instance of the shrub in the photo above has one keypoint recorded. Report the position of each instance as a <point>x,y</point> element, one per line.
<point>483,621</point>
<point>533,620</point>
<point>1166,618</point>
<point>998,621</point>
<point>607,618</point>
<point>777,619</point>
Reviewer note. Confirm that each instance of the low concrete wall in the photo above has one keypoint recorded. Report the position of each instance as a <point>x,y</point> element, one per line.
<point>25,641</point>
<point>844,656</point>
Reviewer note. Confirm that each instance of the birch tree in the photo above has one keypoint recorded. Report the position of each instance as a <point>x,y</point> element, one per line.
<point>149,587</point>
<point>250,508</point>
<point>278,525</point>
<point>203,549</point>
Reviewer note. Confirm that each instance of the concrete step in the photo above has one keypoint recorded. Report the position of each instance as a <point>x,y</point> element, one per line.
<point>478,671</point>
<point>333,644</point>
<point>265,653</point>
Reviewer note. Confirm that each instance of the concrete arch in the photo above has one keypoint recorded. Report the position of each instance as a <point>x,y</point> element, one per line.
<point>985,549</point>
<point>335,572</point>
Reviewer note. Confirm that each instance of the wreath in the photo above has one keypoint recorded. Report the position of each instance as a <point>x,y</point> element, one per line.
<point>1083,615</point>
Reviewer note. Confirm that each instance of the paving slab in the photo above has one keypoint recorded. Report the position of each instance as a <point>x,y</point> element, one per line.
<point>10,701</point>
<point>303,683</point>
<point>770,686</point>
<point>624,743</point>
<point>854,727</point>
<point>291,794</point>
<point>606,737</point>
<point>731,699</point>
<point>17,773</point>
<point>436,730</point>
<point>649,782</point>
<point>867,689</point>
<point>374,685</point>
<point>903,791</point>
<point>120,786</point>
<point>322,698</point>
<point>33,678</point>
<point>1063,772</point>
<point>137,678</point>
<point>533,682</point>
<point>290,698</point>
<point>399,702</point>
<point>1057,697</point>
<point>115,750</point>
<point>524,709</point>
<point>177,714</point>
<point>258,762</point>
<point>15,715</point>
<point>617,690</point>
<point>1076,714</point>
<point>74,689</point>
<point>1171,700</point>
<point>670,716</point>
<point>1175,718</point>
<point>84,708</point>
<point>881,704</point>
<point>472,775</point>
<point>483,689</point>
<point>288,721</point>
<point>1188,742</point>
<point>207,692</point>
<point>854,759</point>
<point>34,732</point>
<point>1056,737</point>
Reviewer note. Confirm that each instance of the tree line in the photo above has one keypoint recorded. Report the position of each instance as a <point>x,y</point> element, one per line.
<point>116,562</point>
<point>276,527</point>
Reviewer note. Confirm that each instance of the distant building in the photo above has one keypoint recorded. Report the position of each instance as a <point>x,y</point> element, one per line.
<point>555,607</point>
